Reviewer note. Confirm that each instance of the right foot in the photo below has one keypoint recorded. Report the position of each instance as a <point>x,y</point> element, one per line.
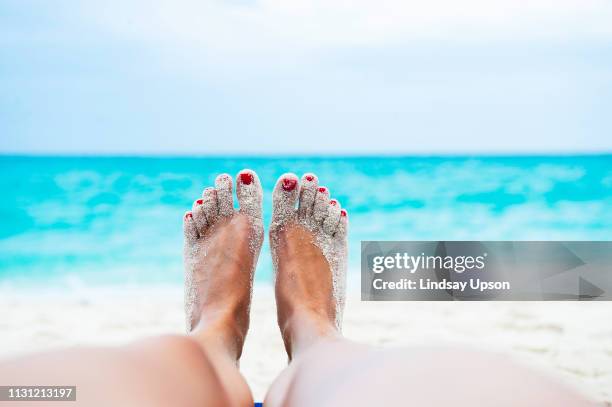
<point>309,251</point>
<point>221,250</point>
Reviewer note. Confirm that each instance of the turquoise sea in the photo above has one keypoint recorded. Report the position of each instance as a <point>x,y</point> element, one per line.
<point>95,220</point>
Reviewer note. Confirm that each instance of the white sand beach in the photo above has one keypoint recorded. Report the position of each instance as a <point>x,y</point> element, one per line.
<point>569,339</point>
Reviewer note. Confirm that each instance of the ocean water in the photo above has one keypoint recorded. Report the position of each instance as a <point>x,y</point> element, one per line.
<point>98,220</point>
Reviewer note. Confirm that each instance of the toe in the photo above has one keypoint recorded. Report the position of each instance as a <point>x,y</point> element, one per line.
<point>284,198</point>
<point>248,190</point>
<point>330,224</point>
<point>342,229</point>
<point>199,217</point>
<point>189,228</point>
<point>321,203</point>
<point>210,208</point>
<point>225,199</point>
<point>308,191</point>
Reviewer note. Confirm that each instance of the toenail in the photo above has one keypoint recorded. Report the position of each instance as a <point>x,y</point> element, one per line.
<point>246,178</point>
<point>289,184</point>
<point>343,212</point>
<point>309,177</point>
<point>322,189</point>
<point>188,215</point>
<point>333,202</point>
<point>200,201</point>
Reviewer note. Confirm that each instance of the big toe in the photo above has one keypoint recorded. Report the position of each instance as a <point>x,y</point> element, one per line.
<point>249,192</point>
<point>284,199</point>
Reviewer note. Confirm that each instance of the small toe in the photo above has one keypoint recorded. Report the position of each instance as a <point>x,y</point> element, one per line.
<point>225,199</point>
<point>284,198</point>
<point>342,229</point>
<point>250,195</point>
<point>308,191</point>
<point>199,217</point>
<point>189,228</point>
<point>211,210</point>
<point>321,203</point>
<point>330,224</point>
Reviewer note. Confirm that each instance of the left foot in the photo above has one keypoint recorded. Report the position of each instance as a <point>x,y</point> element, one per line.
<point>221,250</point>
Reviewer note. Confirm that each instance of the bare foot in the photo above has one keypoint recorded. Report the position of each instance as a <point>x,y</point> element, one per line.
<point>221,250</point>
<point>309,250</point>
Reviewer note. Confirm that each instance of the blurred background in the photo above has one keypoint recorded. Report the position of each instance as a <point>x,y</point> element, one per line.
<point>71,220</point>
<point>305,77</point>
<point>438,120</point>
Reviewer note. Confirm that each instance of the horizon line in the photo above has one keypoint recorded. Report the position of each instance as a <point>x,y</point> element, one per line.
<point>491,154</point>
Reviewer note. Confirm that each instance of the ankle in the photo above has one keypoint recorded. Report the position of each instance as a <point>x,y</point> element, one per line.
<point>222,331</point>
<point>303,329</point>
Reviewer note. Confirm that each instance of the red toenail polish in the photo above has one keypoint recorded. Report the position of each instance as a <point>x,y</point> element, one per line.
<point>188,215</point>
<point>322,189</point>
<point>343,212</point>
<point>200,201</point>
<point>289,184</point>
<point>333,202</point>
<point>246,178</point>
<point>309,177</point>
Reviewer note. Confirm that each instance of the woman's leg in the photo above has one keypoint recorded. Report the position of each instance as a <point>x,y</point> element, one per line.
<point>327,370</point>
<point>339,372</point>
<point>163,371</point>
<point>200,369</point>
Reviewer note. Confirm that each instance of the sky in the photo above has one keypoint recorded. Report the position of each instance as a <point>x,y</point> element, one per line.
<point>199,77</point>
